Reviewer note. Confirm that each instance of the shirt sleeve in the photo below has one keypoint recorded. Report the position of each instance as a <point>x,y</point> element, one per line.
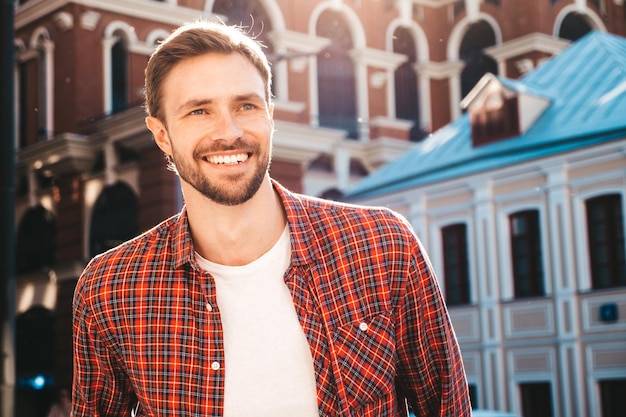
<point>100,386</point>
<point>431,376</point>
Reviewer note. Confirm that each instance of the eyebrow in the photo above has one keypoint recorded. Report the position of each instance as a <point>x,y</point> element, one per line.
<point>203,102</point>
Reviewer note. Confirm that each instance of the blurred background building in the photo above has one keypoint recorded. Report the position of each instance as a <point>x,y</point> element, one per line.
<point>514,181</point>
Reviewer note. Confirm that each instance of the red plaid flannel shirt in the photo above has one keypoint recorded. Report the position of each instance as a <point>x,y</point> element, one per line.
<point>148,339</point>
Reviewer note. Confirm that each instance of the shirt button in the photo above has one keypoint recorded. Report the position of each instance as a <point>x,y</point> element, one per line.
<point>208,307</point>
<point>363,326</point>
<point>215,366</point>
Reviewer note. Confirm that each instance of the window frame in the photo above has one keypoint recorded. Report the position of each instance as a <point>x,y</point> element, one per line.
<point>612,205</point>
<point>530,243</point>
<point>461,280</point>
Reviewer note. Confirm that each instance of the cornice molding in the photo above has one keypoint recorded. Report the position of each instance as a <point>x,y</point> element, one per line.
<point>65,153</point>
<point>440,70</point>
<point>434,3</point>
<point>534,42</point>
<point>144,9</point>
<point>377,58</point>
<point>292,141</point>
<point>297,41</point>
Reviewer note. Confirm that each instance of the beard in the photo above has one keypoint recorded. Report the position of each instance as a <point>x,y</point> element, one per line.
<point>231,190</point>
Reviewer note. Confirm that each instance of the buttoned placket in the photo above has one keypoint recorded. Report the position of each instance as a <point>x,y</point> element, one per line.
<point>299,277</point>
<point>214,354</point>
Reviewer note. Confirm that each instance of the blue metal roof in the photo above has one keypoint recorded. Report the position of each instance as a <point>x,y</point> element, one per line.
<point>586,84</point>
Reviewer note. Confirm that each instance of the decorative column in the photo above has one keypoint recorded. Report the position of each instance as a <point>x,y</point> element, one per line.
<point>439,71</point>
<point>562,269</point>
<point>298,49</point>
<point>107,45</point>
<point>48,51</point>
<point>387,63</point>
<point>489,295</point>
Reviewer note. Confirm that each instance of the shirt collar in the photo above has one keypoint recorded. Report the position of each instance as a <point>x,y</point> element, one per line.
<point>304,245</point>
<point>183,251</point>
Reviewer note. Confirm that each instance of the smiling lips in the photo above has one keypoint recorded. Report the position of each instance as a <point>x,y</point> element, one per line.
<point>227,159</point>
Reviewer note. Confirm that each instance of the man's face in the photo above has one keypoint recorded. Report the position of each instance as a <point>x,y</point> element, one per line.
<point>218,127</point>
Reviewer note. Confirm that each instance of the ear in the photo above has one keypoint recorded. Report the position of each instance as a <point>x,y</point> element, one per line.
<point>160,134</point>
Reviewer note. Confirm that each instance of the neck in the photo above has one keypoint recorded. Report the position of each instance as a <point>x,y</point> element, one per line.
<point>235,235</point>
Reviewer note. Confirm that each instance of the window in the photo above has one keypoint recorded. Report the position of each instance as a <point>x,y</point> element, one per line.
<point>605,229</point>
<point>536,399</point>
<point>35,353</point>
<point>478,37</point>
<point>473,394</point>
<point>34,91</point>
<point>27,128</point>
<point>455,264</point>
<point>526,254</point>
<point>497,119</point>
<point>42,105</point>
<point>36,240</point>
<point>335,71</point>
<point>119,75</point>
<point>114,218</point>
<point>251,15</point>
<point>406,92</point>
<point>612,399</point>
<point>574,27</point>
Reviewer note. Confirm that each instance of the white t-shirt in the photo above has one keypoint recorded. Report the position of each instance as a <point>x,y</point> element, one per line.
<point>268,363</point>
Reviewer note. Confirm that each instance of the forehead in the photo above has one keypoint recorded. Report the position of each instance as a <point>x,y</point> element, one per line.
<point>212,76</point>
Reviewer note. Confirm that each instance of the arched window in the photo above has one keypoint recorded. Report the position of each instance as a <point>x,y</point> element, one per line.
<point>405,80</point>
<point>574,27</point>
<point>478,37</point>
<point>36,240</point>
<point>34,90</point>
<point>119,73</point>
<point>335,72</point>
<point>114,218</point>
<point>251,15</point>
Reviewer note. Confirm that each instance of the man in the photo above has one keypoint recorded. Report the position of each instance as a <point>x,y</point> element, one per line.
<point>255,301</point>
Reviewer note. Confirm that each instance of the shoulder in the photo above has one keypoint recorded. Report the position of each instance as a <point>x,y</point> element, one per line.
<point>341,227</point>
<point>356,218</point>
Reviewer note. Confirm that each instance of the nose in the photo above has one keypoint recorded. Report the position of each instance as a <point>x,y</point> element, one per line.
<point>226,127</point>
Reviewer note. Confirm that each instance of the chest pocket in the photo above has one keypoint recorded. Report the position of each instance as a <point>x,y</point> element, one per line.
<point>366,351</point>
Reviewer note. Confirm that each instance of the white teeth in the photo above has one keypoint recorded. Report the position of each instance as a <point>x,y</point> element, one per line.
<point>227,159</point>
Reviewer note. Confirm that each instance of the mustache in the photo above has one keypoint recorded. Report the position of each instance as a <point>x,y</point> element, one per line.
<point>220,146</point>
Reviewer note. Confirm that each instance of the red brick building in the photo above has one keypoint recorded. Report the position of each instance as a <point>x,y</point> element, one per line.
<point>356,83</point>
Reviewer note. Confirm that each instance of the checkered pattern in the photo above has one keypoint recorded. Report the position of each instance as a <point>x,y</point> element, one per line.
<point>146,343</point>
